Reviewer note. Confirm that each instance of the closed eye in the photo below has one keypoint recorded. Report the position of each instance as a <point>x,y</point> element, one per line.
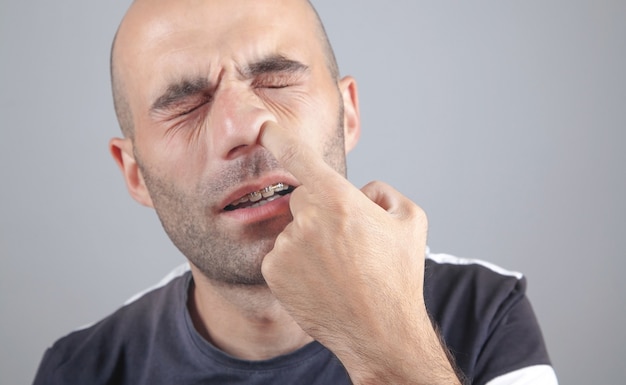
<point>276,86</point>
<point>273,82</point>
<point>186,110</point>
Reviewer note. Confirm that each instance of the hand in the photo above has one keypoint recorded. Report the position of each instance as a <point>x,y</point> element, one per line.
<point>349,268</point>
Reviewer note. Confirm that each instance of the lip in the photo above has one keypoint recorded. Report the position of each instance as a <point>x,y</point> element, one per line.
<point>278,208</point>
<point>252,214</point>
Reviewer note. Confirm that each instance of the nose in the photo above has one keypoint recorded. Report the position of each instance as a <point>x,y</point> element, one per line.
<point>235,120</point>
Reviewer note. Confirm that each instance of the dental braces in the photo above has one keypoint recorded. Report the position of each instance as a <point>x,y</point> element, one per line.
<point>266,192</point>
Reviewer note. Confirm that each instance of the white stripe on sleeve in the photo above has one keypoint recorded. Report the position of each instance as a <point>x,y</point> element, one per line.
<point>531,375</point>
<point>177,272</point>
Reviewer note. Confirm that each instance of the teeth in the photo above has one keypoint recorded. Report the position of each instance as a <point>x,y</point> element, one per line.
<point>255,196</point>
<point>261,203</point>
<point>266,193</point>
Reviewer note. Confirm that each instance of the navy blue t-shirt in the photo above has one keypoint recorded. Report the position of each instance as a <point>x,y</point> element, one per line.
<point>482,313</point>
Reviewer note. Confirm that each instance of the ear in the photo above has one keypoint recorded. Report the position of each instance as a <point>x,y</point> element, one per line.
<point>122,151</point>
<point>351,116</point>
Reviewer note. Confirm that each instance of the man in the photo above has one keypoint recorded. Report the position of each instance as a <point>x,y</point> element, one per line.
<point>236,126</point>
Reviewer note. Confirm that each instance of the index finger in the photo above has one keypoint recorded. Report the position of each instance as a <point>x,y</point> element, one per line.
<point>297,156</point>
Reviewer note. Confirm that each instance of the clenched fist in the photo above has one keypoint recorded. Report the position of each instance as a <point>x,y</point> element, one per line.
<point>349,269</point>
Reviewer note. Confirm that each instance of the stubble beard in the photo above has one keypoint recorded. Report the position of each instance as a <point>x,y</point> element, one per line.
<point>223,256</point>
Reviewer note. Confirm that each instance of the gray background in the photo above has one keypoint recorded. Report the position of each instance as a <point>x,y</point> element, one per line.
<point>505,120</point>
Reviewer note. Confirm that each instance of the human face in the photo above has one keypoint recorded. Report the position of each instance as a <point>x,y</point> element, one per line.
<point>201,78</point>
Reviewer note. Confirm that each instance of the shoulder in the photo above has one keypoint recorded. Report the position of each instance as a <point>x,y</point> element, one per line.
<point>100,349</point>
<point>485,318</point>
<point>454,284</point>
<point>468,297</point>
<point>470,293</point>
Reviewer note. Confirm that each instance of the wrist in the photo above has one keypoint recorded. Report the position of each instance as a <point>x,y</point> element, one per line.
<point>415,357</point>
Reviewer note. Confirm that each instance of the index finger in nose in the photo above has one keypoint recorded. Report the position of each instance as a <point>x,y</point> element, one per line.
<point>296,156</point>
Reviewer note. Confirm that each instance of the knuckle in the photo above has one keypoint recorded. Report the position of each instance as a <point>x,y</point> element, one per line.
<point>306,224</point>
<point>378,184</point>
<point>416,213</point>
<point>267,267</point>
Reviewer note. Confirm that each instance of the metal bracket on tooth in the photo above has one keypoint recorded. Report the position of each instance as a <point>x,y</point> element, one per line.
<point>265,192</point>
<point>275,188</point>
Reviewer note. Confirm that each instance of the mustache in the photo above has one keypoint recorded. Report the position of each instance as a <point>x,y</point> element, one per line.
<point>242,169</point>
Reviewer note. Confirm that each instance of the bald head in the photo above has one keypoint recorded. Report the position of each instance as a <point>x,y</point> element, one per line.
<point>122,72</point>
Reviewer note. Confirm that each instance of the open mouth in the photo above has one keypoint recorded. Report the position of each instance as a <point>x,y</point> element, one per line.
<point>260,197</point>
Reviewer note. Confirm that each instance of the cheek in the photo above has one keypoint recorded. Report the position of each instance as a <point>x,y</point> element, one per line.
<point>287,106</point>
<point>315,115</point>
<point>173,159</point>
<point>324,122</point>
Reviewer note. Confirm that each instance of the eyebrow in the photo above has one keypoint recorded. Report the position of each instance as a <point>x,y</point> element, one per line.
<point>177,92</point>
<point>274,63</point>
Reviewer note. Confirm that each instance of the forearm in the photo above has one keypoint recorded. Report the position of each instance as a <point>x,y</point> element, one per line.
<point>415,357</point>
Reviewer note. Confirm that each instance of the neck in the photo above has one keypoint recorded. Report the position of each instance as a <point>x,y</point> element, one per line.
<point>244,322</point>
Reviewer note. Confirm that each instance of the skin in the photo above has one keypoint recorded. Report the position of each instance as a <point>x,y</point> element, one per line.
<point>328,262</point>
